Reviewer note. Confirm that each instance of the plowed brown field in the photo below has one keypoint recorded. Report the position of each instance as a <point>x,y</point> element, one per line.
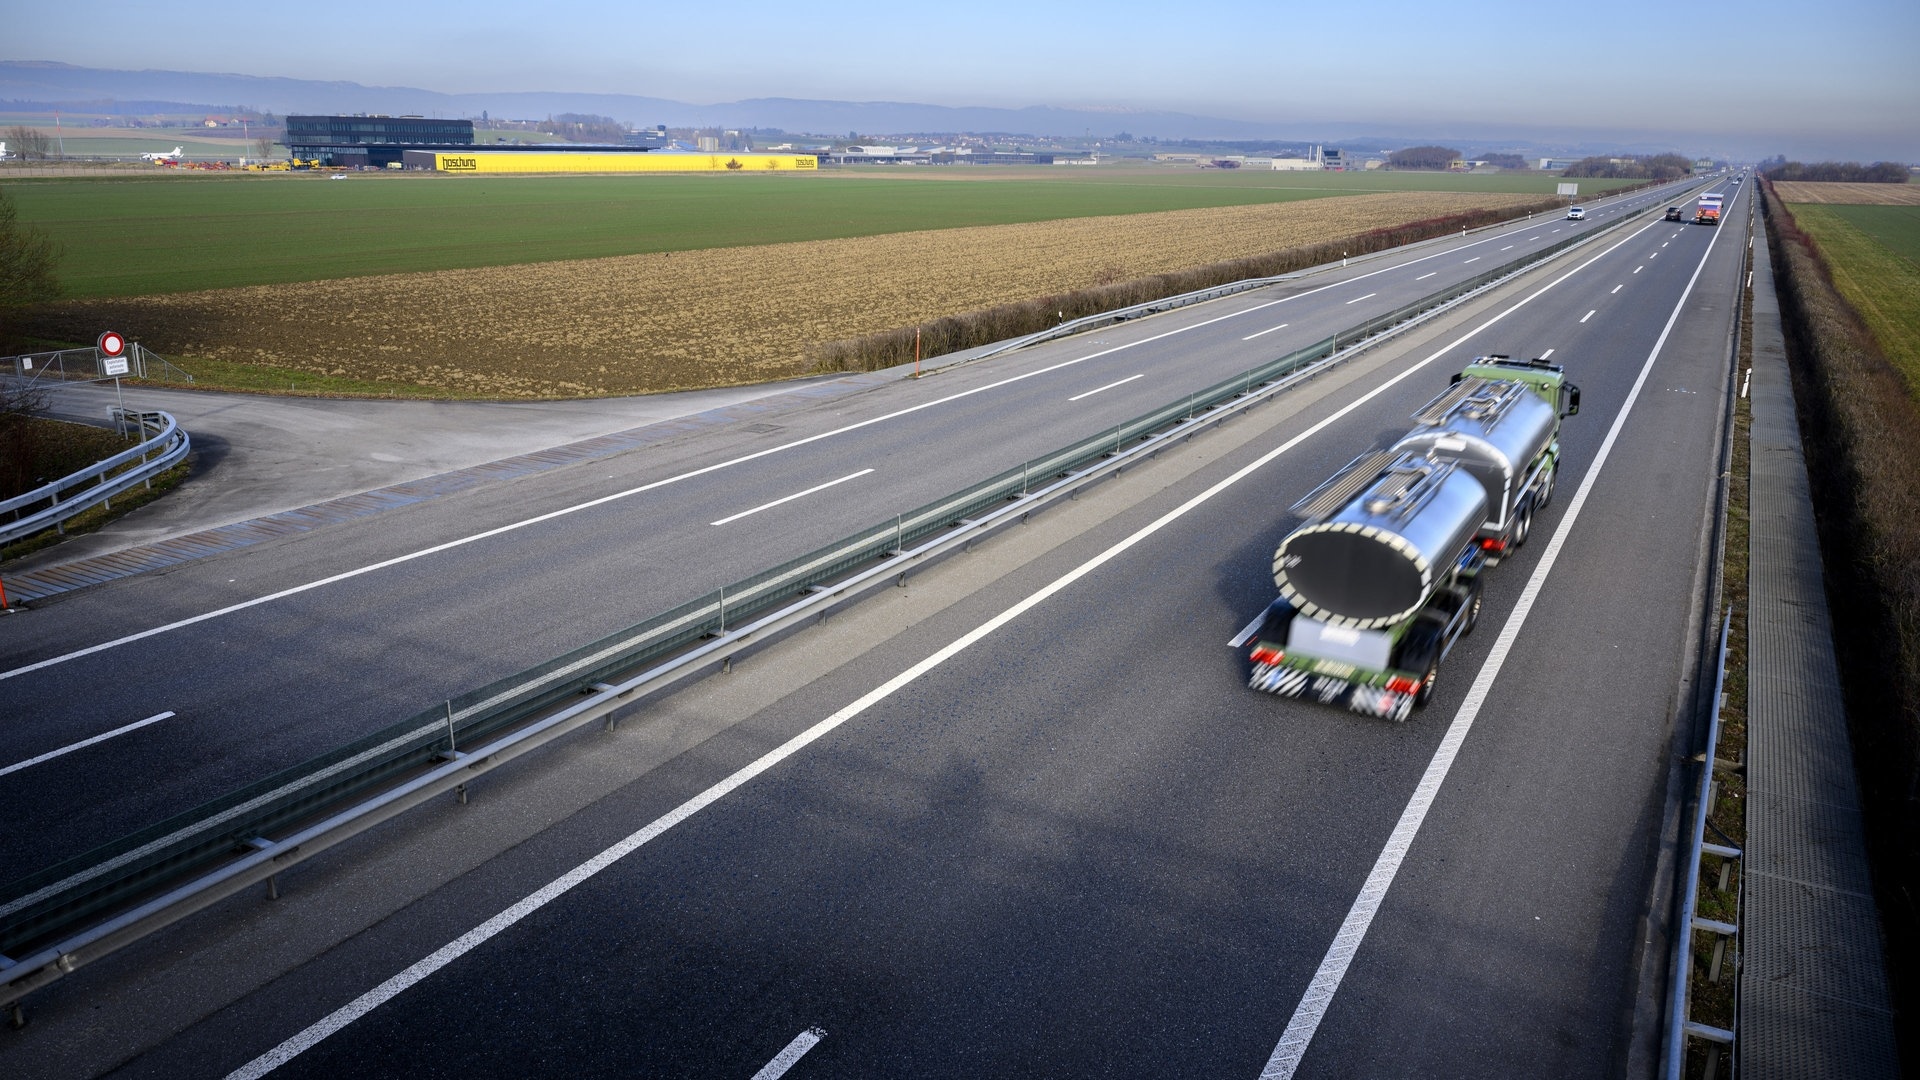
<point>646,323</point>
<point>1808,191</point>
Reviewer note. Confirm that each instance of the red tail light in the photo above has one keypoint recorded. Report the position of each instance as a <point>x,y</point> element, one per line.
<point>1400,684</point>
<point>1262,655</point>
<point>1493,544</point>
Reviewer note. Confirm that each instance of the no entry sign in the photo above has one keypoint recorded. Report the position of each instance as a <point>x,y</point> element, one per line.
<point>113,353</point>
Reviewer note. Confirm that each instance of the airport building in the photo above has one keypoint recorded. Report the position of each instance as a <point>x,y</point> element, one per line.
<point>351,141</point>
<point>587,159</point>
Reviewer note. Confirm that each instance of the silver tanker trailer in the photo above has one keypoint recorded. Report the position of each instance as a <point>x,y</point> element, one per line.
<point>1383,576</point>
<point>1500,422</point>
<point>1376,587</point>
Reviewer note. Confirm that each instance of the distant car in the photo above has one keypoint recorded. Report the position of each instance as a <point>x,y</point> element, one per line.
<point>1578,213</point>
<point>1673,213</point>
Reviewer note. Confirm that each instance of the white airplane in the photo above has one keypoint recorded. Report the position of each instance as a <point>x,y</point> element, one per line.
<point>176,154</point>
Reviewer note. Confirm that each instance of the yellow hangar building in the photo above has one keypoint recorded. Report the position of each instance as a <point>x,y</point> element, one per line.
<point>602,161</point>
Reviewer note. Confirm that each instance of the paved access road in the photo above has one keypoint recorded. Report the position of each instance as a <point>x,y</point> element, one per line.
<point>1047,830</point>
<point>259,659</point>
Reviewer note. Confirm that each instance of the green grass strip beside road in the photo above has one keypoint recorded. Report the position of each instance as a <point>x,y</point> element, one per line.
<point>140,235</point>
<point>1874,253</point>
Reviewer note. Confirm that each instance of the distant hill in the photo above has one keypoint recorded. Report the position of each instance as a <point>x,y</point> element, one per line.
<point>52,83</point>
<point>82,89</point>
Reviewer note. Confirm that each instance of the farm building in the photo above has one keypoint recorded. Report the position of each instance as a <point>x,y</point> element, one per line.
<point>600,160</point>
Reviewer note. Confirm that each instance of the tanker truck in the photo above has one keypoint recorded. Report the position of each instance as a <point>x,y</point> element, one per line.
<point>1383,576</point>
<point>1500,422</point>
<point>1375,587</point>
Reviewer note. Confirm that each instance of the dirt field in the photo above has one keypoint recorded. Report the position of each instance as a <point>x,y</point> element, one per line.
<point>1805,191</point>
<point>647,323</point>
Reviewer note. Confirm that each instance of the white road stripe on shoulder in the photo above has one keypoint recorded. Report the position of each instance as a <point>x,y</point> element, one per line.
<point>1246,635</point>
<point>84,743</point>
<point>796,495</point>
<point>1111,385</point>
<point>787,1058</point>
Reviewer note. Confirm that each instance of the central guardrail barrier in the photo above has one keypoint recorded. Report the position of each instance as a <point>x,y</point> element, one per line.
<point>85,907</point>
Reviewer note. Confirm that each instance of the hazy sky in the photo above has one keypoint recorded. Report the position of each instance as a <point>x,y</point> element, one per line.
<point>1838,73</point>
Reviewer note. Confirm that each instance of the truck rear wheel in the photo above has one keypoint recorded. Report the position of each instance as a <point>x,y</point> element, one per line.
<point>1472,609</point>
<point>1420,651</point>
<point>1522,523</point>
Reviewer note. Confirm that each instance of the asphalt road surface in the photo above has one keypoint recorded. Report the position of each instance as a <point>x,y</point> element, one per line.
<point>1045,829</point>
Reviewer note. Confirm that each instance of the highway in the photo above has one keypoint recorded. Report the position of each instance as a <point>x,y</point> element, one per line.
<point>426,603</point>
<point>1045,829</point>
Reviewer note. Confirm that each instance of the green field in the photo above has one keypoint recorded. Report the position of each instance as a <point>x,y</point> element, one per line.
<point>135,235</point>
<point>1897,227</point>
<point>1874,252</point>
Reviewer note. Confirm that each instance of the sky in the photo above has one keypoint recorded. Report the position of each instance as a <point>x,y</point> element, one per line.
<point>1841,77</point>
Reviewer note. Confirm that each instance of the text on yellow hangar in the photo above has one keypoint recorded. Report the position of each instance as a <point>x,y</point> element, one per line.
<point>483,162</point>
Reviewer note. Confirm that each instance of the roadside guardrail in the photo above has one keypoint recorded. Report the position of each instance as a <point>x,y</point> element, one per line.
<point>166,445</point>
<point>1680,1027</point>
<point>83,908</point>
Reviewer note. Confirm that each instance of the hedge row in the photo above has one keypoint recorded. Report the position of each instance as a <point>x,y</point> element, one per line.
<point>1861,428</point>
<point>971,329</point>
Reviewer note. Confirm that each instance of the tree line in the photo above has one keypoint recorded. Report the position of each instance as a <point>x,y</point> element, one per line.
<point>1840,172</point>
<point>1653,167</point>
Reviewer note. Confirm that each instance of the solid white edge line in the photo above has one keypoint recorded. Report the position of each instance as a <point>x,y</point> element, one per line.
<point>1109,386</point>
<point>84,743</point>
<point>717,466</point>
<point>1325,983</point>
<point>796,495</point>
<point>791,1055</point>
<point>453,950</point>
<point>1269,330</point>
<point>1246,634</point>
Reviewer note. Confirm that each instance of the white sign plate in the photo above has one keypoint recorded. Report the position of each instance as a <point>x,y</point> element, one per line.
<point>115,365</point>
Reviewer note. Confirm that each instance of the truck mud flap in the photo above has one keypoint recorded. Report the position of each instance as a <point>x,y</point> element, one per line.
<point>1328,690</point>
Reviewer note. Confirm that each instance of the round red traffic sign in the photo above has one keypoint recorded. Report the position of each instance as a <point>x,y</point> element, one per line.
<point>112,344</point>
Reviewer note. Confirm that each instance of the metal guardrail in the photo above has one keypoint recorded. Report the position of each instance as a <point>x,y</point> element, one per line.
<point>49,915</point>
<point>1679,1027</point>
<point>166,445</point>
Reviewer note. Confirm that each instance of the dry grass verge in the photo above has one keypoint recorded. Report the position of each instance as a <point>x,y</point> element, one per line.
<point>1862,434</point>
<point>1809,191</point>
<point>974,328</point>
<point>726,316</point>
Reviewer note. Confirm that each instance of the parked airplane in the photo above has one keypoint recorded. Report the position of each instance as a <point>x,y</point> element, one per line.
<point>176,154</point>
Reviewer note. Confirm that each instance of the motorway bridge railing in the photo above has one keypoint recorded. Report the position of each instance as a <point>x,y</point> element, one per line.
<point>84,907</point>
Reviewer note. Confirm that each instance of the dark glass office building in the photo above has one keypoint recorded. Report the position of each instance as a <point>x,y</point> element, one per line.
<point>370,140</point>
